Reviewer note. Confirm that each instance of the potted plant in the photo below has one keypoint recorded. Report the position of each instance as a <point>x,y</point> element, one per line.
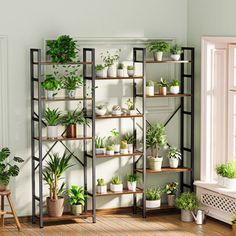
<point>155,138</point>
<point>52,173</point>
<point>101,186</point>
<point>187,202</point>
<point>77,198</point>
<point>109,61</point>
<point>176,51</point>
<point>114,139</point>
<point>158,47</point>
<point>124,147</point>
<point>71,119</point>
<point>120,70</point>
<point>153,197</point>
<point>130,71</point>
<point>174,86</point>
<point>163,85</point>
<point>133,179</point>
<point>116,184</point>
<point>171,189</point>
<point>62,50</point>
<point>131,109</point>
<point>110,150</point>
<point>149,88</point>
<point>51,85</point>
<point>221,171</point>
<point>234,224</point>
<point>174,156</point>
<point>129,138</point>
<point>52,119</point>
<point>100,147</point>
<point>116,110</point>
<point>8,168</point>
<point>101,71</point>
<point>101,110</point>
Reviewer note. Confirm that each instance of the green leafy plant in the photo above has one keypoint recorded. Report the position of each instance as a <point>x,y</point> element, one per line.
<point>77,195</point>
<point>175,82</point>
<point>114,138</point>
<point>156,137</point>
<point>120,66</point>
<point>130,67</point>
<point>123,144</point>
<point>51,83</point>
<point>234,219</point>
<point>227,170</point>
<point>116,180</point>
<point>173,152</point>
<point>100,182</point>
<point>149,83</point>
<point>8,168</point>
<point>52,117</point>
<point>99,142</point>
<point>99,67</point>
<point>129,138</point>
<point>109,59</point>
<point>153,193</point>
<point>130,104</point>
<point>63,49</point>
<point>187,201</point>
<point>171,188</point>
<point>158,46</point>
<point>163,83</point>
<point>53,171</point>
<point>176,50</point>
<point>109,148</point>
<point>75,117</point>
<point>133,178</point>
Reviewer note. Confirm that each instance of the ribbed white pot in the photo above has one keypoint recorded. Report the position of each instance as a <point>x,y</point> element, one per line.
<point>132,186</point>
<point>50,94</point>
<point>111,71</point>
<point>153,203</point>
<point>52,132</point>
<point>158,56</point>
<point>102,73</point>
<point>120,73</point>
<point>111,152</point>
<point>174,89</point>
<point>102,189</point>
<point>220,180</point>
<point>124,151</point>
<point>230,183</point>
<point>130,73</point>
<point>132,112</point>
<point>155,163</point>
<point>150,90</point>
<point>116,148</point>
<point>100,151</point>
<point>71,93</point>
<point>174,162</point>
<point>116,187</point>
<point>100,112</point>
<point>130,148</point>
<point>175,57</point>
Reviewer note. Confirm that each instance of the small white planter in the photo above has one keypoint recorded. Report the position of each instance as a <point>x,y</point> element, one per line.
<point>130,73</point>
<point>111,71</point>
<point>174,89</point>
<point>100,151</point>
<point>230,183</point>
<point>102,189</point>
<point>120,73</point>
<point>111,152</point>
<point>124,151</point>
<point>116,187</point>
<point>52,132</point>
<point>150,90</point>
<point>101,73</point>
<point>130,148</point>
<point>175,57</point>
<point>132,112</point>
<point>220,180</point>
<point>71,93</point>
<point>153,203</point>
<point>51,94</point>
<point>116,148</point>
<point>155,163</point>
<point>132,186</point>
<point>116,113</point>
<point>158,56</point>
<point>174,162</point>
<point>100,112</point>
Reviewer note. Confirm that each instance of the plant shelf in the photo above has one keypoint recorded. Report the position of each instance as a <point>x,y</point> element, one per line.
<point>66,216</point>
<point>125,191</point>
<point>162,207</point>
<point>48,63</point>
<point>119,78</point>
<point>118,117</point>
<point>167,96</point>
<point>165,170</point>
<point>61,138</point>
<point>120,155</point>
<point>58,99</point>
<point>167,61</point>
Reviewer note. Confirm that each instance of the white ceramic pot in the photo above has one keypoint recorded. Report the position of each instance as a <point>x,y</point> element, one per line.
<point>100,151</point>
<point>186,216</point>
<point>158,56</point>
<point>116,187</point>
<point>132,186</point>
<point>124,151</point>
<point>155,163</point>
<point>230,183</point>
<point>71,93</point>
<point>130,73</point>
<point>132,112</point>
<point>52,132</point>
<point>111,71</point>
<point>116,113</point>
<point>102,189</point>
<point>101,73</point>
<point>76,209</point>
<point>220,180</point>
<point>174,89</point>
<point>174,162</point>
<point>153,203</point>
<point>120,73</point>
<point>51,94</point>
<point>175,57</point>
<point>116,148</point>
<point>150,90</point>
<point>130,148</point>
<point>111,152</point>
<point>100,112</point>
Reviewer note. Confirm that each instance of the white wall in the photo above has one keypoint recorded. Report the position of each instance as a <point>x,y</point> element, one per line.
<point>28,22</point>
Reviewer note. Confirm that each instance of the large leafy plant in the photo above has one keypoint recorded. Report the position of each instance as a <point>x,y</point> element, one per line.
<point>53,171</point>
<point>187,201</point>
<point>52,117</point>
<point>63,49</point>
<point>51,83</point>
<point>77,195</point>
<point>158,46</point>
<point>8,168</point>
<point>75,117</point>
<point>153,193</point>
<point>155,138</point>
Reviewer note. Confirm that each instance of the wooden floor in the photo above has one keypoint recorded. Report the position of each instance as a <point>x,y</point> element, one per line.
<point>121,225</point>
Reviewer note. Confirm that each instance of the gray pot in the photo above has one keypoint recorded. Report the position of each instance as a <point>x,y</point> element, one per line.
<point>171,199</point>
<point>76,209</point>
<point>186,216</point>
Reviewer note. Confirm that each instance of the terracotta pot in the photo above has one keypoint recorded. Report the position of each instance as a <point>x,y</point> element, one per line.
<point>3,187</point>
<point>234,229</point>
<point>163,91</point>
<point>71,131</point>
<point>55,207</point>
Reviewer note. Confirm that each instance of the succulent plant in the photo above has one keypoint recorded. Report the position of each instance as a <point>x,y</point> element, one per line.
<point>149,83</point>
<point>123,144</point>
<point>116,180</point>
<point>100,182</point>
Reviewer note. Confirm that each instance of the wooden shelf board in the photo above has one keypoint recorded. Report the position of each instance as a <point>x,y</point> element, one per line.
<point>119,78</point>
<point>125,191</point>
<point>165,170</point>
<point>61,138</point>
<point>168,61</point>
<point>67,63</point>
<point>162,207</point>
<point>66,217</point>
<point>56,99</point>
<point>168,95</point>
<point>120,155</point>
<point>117,117</point>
